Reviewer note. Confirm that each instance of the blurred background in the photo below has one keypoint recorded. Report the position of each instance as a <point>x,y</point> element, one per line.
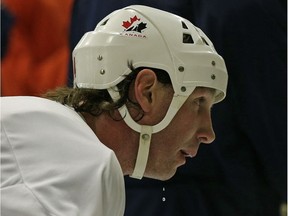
<point>244,171</point>
<point>34,45</point>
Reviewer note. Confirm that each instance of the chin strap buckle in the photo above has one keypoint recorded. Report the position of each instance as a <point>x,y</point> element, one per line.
<point>143,152</point>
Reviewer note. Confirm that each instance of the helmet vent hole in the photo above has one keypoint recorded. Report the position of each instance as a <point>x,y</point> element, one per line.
<point>187,38</point>
<point>104,23</point>
<point>203,39</point>
<point>184,26</point>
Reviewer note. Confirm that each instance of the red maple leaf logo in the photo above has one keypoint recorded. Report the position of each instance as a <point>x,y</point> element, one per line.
<point>127,24</point>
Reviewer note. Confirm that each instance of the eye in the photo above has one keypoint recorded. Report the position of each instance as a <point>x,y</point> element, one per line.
<point>199,101</point>
<point>196,102</point>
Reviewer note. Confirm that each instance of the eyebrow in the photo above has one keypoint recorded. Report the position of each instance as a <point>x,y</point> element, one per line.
<point>211,91</point>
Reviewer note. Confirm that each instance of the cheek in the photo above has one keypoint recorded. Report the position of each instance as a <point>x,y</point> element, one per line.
<point>168,142</point>
<point>163,154</point>
<point>164,146</point>
<point>184,124</point>
<point>161,108</point>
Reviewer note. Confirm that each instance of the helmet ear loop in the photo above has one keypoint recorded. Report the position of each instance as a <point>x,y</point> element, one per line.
<point>135,106</point>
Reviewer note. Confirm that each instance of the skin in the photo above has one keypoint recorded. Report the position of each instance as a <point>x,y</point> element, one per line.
<point>170,147</point>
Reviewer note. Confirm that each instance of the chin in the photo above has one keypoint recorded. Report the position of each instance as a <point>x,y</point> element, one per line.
<point>164,176</point>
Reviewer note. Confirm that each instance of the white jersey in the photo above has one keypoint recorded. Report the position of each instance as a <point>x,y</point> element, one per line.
<point>53,164</point>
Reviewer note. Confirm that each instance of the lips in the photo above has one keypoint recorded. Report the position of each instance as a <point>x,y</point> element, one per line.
<point>186,154</point>
<point>189,153</point>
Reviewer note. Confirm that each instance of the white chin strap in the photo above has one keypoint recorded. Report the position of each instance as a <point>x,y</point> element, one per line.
<point>146,131</point>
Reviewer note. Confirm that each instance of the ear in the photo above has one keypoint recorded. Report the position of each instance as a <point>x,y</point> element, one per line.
<point>144,89</point>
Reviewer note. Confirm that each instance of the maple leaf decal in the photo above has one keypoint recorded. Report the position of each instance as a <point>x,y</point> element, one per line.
<point>134,25</point>
<point>127,24</point>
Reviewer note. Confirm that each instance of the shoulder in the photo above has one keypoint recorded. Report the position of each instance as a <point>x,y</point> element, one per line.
<point>45,133</point>
<point>25,113</point>
<point>19,105</point>
<point>43,124</point>
<point>57,155</point>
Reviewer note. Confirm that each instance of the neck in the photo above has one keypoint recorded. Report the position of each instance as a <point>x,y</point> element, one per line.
<point>117,136</point>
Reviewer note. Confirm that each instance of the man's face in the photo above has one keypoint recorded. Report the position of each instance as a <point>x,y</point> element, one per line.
<point>190,127</point>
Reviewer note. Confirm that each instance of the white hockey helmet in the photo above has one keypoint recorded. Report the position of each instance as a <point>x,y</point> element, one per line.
<point>149,38</point>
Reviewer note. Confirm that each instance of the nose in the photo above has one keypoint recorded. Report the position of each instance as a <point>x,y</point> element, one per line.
<point>207,137</point>
<point>206,133</point>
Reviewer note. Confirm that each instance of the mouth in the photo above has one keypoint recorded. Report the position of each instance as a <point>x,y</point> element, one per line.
<point>188,154</point>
